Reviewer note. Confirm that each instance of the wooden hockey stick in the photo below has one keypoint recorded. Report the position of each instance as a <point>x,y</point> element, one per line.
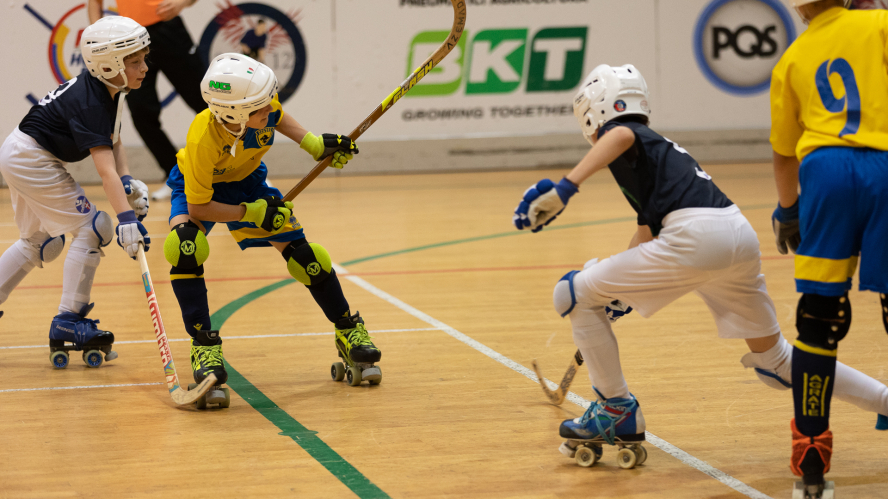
<point>459,22</point>
<point>557,397</point>
<point>180,395</point>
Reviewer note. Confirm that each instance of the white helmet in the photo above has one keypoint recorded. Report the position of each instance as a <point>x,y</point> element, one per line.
<point>607,93</point>
<point>107,41</point>
<point>236,85</point>
<point>798,3</point>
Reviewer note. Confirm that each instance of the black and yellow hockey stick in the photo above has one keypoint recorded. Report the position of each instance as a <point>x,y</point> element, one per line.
<point>557,397</point>
<point>459,22</point>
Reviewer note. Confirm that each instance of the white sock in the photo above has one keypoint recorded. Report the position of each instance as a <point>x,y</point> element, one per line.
<point>594,337</point>
<point>15,264</point>
<point>851,386</point>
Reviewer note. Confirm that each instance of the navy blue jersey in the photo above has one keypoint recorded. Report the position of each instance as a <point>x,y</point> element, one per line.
<point>658,177</point>
<point>71,119</point>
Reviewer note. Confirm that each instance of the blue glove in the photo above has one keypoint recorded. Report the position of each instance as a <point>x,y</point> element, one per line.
<point>137,195</point>
<point>616,309</point>
<point>786,227</point>
<point>131,233</point>
<point>544,201</point>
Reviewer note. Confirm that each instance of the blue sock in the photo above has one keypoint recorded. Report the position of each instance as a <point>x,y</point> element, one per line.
<point>813,378</point>
<point>191,292</point>
<point>328,294</point>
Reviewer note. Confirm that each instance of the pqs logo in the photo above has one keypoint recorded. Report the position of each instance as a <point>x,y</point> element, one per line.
<point>263,33</point>
<point>738,42</point>
<point>65,59</point>
<point>495,61</point>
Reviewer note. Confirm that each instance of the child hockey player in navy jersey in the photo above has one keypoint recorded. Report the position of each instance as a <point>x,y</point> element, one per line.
<point>80,118</point>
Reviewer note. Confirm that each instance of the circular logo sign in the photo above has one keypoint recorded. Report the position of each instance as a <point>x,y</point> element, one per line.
<point>313,268</point>
<point>187,248</point>
<point>82,205</point>
<point>738,42</point>
<point>268,34</point>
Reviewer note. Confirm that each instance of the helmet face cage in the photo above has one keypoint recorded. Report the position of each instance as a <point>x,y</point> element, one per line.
<point>106,43</point>
<point>236,85</point>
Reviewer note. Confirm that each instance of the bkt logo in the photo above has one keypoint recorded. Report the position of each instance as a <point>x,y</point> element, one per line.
<point>495,61</point>
<point>738,42</point>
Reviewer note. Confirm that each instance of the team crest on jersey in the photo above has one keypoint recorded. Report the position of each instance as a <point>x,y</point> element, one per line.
<point>82,204</point>
<point>619,106</point>
<point>264,135</point>
<point>222,171</point>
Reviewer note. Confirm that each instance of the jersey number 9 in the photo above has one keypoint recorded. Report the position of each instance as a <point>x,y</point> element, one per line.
<point>851,98</point>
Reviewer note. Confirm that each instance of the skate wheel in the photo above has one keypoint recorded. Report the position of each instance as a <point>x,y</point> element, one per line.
<point>225,404</point>
<point>353,376</point>
<point>192,386</point>
<point>626,458</point>
<point>201,403</point>
<point>337,371</point>
<point>586,457</point>
<point>59,359</point>
<point>641,455</point>
<point>93,358</point>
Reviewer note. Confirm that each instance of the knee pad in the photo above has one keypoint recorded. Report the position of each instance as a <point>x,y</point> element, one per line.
<point>776,376</point>
<point>103,228</point>
<point>822,321</point>
<point>564,298</point>
<point>32,248</point>
<point>308,263</point>
<point>52,248</point>
<point>186,246</point>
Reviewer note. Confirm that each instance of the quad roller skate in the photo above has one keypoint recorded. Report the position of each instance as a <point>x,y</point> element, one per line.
<point>84,336</point>
<point>614,421</point>
<point>810,460</point>
<point>206,358</point>
<point>357,351</point>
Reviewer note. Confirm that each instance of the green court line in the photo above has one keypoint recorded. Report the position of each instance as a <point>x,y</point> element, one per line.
<point>305,438</point>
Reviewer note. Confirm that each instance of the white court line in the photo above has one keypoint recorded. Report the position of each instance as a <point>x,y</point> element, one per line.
<point>656,441</point>
<point>374,331</point>
<point>77,387</point>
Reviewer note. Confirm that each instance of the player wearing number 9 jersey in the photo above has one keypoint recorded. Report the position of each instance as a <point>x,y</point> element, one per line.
<point>829,131</point>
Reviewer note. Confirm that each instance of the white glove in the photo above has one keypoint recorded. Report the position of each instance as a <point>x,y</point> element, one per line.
<point>137,195</point>
<point>131,233</point>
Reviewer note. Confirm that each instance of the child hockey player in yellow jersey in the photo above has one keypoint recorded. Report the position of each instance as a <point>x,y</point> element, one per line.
<point>829,131</point>
<point>220,177</point>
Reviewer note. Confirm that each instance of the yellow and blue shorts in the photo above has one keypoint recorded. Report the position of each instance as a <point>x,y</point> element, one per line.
<point>843,214</point>
<point>247,234</point>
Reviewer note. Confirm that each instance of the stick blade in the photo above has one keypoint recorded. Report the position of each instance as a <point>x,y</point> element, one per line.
<point>182,396</point>
<point>556,397</point>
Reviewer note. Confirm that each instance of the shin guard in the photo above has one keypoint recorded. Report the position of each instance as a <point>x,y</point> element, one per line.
<point>328,295</point>
<point>191,293</point>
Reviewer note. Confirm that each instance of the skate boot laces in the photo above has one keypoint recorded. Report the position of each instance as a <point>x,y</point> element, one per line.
<point>209,356</point>
<point>608,415</point>
<point>358,336</point>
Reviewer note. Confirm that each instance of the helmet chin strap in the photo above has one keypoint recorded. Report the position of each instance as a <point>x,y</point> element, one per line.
<point>123,93</point>
<point>237,136</point>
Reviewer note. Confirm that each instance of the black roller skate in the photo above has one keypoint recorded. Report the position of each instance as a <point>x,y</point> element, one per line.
<point>83,334</point>
<point>206,358</point>
<point>358,352</point>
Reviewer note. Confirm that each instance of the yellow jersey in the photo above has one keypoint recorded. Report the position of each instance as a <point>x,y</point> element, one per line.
<point>207,160</point>
<point>830,87</point>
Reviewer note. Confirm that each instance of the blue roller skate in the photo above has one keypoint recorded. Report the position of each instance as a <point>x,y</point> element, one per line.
<point>85,336</point>
<point>613,421</point>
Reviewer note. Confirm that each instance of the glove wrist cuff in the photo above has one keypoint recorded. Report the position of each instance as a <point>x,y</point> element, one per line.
<point>127,217</point>
<point>310,145</point>
<point>125,179</point>
<point>787,214</point>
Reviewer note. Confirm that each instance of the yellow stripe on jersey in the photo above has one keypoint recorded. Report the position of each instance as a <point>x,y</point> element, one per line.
<point>830,87</point>
<point>206,158</point>
<point>258,233</point>
<point>812,268</point>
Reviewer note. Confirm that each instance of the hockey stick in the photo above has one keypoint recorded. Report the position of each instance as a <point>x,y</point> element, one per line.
<point>459,22</point>
<point>180,395</point>
<point>557,397</point>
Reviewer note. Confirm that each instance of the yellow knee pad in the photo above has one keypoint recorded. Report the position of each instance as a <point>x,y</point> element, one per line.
<point>186,246</point>
<point>308,263</point>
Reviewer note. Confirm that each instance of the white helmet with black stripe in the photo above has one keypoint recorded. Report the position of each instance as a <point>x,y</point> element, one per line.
<point>607,93</point>
<point>105,43</point>
<point>236,85</point>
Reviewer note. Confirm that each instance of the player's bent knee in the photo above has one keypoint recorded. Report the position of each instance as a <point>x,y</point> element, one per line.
<point>103,228</point>
<point>186,246</point>
<point>822,321</point>
<point>564,297</point>
<point>308,263</point>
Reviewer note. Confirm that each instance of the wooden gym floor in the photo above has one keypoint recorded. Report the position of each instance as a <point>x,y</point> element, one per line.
<point>460,303</point>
